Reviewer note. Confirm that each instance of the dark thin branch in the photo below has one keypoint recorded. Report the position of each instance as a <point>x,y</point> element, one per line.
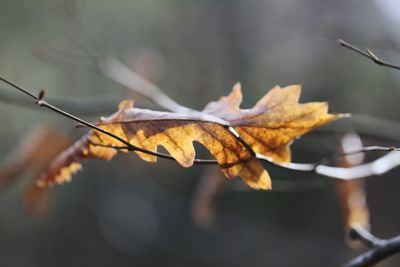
<point>39,100</point>
<point>94,105</point>
<point>196,161</point>
<point>368,54</point>
<point>379,166</point>
<point>123,75</point>
<point>131,147</point>
<point>345,173</point>
<point>19,88</point>
<point>380,249</point>
<point>136,83</point>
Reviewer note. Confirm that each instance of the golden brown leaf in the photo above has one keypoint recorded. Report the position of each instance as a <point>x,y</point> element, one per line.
<point>269,128</point>
<point>176,133</point>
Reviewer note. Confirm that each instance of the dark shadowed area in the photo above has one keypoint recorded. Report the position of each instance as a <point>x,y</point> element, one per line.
<point>128,212</point>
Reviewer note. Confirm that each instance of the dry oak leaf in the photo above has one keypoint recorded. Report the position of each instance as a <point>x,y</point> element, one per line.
<point>268,128</point>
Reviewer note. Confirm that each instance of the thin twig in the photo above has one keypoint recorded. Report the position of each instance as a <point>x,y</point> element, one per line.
<point>39,100</point>
<point>120,73</point>
<point>196,161</point>
<point>380,249</point>
<point>56,54</point>
<point>95,105</point>
<point>368,54</point>
<point>378,166</point>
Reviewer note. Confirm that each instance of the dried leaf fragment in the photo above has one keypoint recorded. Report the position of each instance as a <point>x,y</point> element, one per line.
<point>69,161</point>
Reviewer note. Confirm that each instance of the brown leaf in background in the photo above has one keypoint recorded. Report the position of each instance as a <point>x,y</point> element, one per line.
<point>36,200</point>
<point>32,155</point>
<point>207,190</point>
<point>269,128</point>
<point>354,204</point>
<point>352,193</point>
<point>33,152</point>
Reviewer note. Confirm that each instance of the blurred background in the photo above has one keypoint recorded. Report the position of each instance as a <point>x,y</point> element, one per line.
<point>128,212</point>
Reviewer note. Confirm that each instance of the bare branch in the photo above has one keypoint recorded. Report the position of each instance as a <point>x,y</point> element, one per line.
<point>121,74</point>
<point>380,249</point>
<point>39,100</point>
<point>117,71</point>
<point>376,167</point>
<point>379,166</point>
<point>368,54</point>
<point>88,106</point>
<point>128,146</point>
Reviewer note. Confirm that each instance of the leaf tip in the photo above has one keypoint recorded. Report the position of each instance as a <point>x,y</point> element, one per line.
<point>262,183</point>
<point>236,93</point>
<point>237,86</point>
<point>124,104</point>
